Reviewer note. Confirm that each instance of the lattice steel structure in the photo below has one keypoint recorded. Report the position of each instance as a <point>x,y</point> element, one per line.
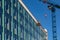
<point>52,7</point>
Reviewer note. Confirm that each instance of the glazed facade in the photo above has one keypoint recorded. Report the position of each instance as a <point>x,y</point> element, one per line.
<point>16,23</point>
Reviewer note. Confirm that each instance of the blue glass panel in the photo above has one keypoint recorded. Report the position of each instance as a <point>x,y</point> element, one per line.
<point>0,8</point>
<point>0,36</point>
<point>0,11</point>
<point>8,32</point>
<point>1,29</point>
<point>21,26</point>
<point>26,30</point>
<point>7,4</point>
<point>26,20</point>
<point>7,15</point>
<point>21,15</point>
<point>1,20</point>
<point>15,36</point>
<point>8,1</point>
<point>15,5</point>
<point>15,21</point>
<point>21,38</point>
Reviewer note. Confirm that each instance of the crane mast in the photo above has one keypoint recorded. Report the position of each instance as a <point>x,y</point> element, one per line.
<point>52,7</point>
<point>54,28</point>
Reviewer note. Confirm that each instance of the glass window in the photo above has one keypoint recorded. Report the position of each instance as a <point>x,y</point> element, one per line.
<point>8,25</point>
<point>8,37</point>
<point>36,34</point>
<point>32,38</point>
<point>0,3</point>
<point>21,22</point>
<point>32,30</point>
<point>36,39</point>
<point>22,33</point>
<point>26,20</point>
<point>19,31</point>
<point>0,37</point>
<point>26,14</point>
<point>15,31</point>
<point>5,37</point>
<point>21,15</point>
<point>29,36</point>
<point>0,21</point>
<point>21,18</point>
<point>5,21</point>
<point>14,38</point>
<point>15,4</point>
<point>7,5</point>
<point>15,28</point>
<point>26,26</point>
<point>8,9</point>
<point>15,17</point>
<point>21,11</point>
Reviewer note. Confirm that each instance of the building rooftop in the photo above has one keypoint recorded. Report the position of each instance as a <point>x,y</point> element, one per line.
<point>38,24</point>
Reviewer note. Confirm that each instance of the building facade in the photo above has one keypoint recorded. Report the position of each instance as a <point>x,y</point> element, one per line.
<point>43,33</point>
<point>17,22</point>
<point>46,32</point>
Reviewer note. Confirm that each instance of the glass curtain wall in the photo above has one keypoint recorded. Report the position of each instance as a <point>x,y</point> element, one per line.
<point>16,23</point>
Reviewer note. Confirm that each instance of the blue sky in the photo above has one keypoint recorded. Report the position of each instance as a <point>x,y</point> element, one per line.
<point>38,9</point>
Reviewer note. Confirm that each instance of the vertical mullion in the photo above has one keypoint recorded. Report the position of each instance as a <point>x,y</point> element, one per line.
<point>18,23</point>
<point>12,18</point>
<point>3,19</point>
<point>17,19</point>
<point>24,25</point>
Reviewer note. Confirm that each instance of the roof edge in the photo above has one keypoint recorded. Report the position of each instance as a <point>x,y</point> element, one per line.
<point>38,24</point>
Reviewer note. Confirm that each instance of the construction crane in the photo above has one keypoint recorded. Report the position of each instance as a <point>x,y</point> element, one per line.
<point>52,7</point>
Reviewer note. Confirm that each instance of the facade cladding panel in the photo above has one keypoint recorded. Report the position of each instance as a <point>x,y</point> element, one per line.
<point>16,23</point>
